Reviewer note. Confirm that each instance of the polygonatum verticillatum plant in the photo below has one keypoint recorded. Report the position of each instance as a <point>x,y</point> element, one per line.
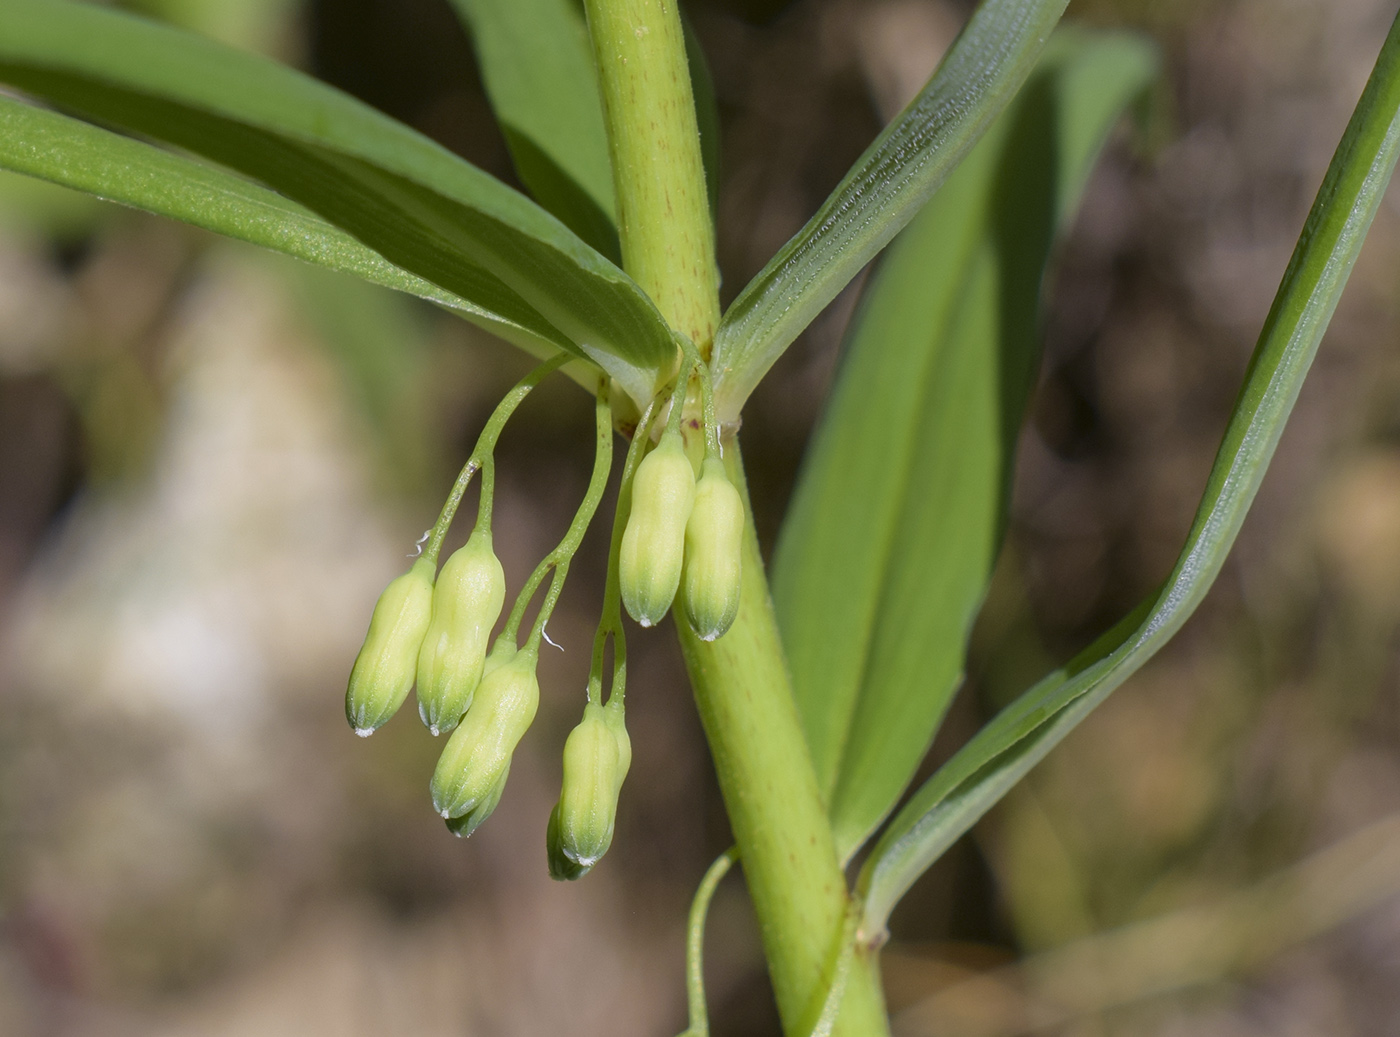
<point>819,699</point>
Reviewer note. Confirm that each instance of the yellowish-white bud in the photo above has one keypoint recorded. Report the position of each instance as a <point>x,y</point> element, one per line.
<point>469,822</point>
<point>478,754</point>
<point>467,602</point>
<point>383,672</point>
<point>714,538</point>
<point>653,545</point>
<point>597,755</point>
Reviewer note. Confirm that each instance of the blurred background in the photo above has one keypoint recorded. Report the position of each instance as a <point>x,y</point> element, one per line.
<point>212,459</point>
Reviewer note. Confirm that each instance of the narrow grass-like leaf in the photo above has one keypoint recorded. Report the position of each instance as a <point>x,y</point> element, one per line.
<point>888,185</point>
<point>537,65</point>
<point>890,540</point>
<point>76,154</point>
<point>421,207</point>
<point>1016,739</point>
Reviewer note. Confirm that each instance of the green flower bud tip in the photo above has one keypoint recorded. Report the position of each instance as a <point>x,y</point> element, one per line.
<point>597,755</point>
<point>383,672</point>
<point>714,536</point>
<point>469,822</point>
<point>467,601</point>
<point>653,545</point>
<point>477,755</point>
<point>561,867</point>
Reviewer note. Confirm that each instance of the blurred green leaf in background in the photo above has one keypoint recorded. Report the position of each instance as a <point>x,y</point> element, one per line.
<point>897,518</point>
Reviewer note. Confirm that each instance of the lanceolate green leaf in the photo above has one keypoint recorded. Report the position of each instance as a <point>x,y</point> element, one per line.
<point>537,65</point>
<point>981,773</point>
<point>412,201</point>
<point>883,191</point>
<point>890,540</point>
<point>76,154</point>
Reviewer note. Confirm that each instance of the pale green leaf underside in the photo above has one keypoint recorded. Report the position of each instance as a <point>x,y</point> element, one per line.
<point>888,185</point>
<point>421,207</point>
<point>1020,736</point>
<point>886,550</point>
<point>76,154</point>
<point>536,63</point>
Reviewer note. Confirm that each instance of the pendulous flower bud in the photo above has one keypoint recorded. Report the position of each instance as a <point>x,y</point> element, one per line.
<point>383,672</point>
<point>467,602</point>
<point>476,757</point>
<point>596,757</point>
<point>714,537</point>
<point>469,822</point>
<point>653,545</point>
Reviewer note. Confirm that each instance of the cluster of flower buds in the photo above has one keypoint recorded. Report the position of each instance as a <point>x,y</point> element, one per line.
<point>682,531</point>
<point>433,629</point>
<point>437,632</point>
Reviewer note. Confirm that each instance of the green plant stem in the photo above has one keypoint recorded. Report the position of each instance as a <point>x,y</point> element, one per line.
<point>740,681</point>
<point>663,209</point>
<point>775,809</point>
<point>695,943</point>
